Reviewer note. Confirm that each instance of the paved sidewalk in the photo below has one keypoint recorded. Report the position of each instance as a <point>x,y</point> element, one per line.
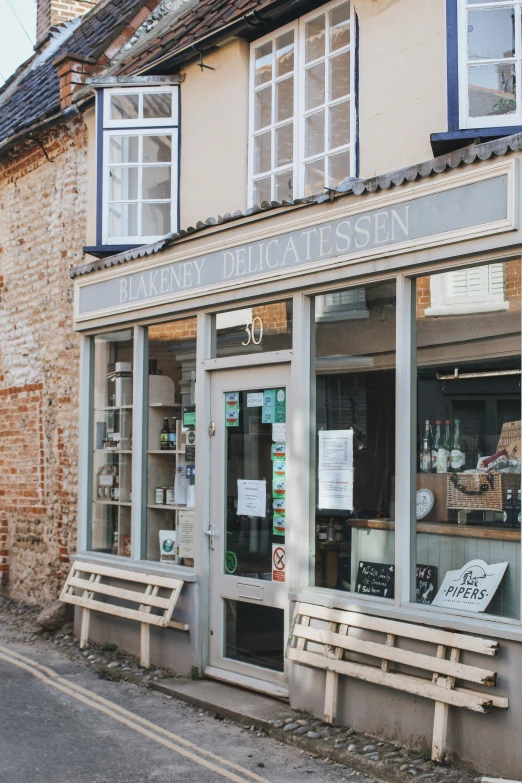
<point>46,735</point>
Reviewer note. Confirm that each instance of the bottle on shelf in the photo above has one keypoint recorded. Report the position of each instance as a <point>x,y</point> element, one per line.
<point>508,509</point>
<point>480,450</point>
<point>115,489</point>
<point>435,446</point>
<point>425,457</point>
<point>115,543</point>
<point>172,435</point>
<point>164,435</point>
<point>444,449</point>
<point>457,457</point>
<point>517,511</point>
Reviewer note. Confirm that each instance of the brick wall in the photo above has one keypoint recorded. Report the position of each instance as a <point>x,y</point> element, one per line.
<point>42,232</point>
<point>52,12</point>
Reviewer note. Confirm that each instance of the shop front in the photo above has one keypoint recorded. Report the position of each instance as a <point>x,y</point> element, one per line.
<point>318,402</point>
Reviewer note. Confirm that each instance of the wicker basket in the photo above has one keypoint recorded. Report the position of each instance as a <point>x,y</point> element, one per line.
<point>480,491</point>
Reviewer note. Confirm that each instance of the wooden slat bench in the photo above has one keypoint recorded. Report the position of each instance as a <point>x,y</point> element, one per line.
<point>329,628</point>
<point>96,595</point>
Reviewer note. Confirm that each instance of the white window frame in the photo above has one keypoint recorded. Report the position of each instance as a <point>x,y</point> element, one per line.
<point>491,121</point>
<point>141,127</point>
<point>298,166</point>
<point>443,303</point>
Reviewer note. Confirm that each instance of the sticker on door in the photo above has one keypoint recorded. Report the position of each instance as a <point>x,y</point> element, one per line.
<point>278,562</point>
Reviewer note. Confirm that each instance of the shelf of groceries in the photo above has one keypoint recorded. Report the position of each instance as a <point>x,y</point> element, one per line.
<point>486,493</point>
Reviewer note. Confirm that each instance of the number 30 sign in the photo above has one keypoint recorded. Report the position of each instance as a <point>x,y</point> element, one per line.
<point>254,330</point>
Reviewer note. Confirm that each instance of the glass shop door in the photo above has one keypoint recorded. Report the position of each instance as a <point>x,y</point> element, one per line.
<point>246,536</point>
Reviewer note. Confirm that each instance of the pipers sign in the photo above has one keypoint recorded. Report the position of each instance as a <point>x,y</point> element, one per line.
<point>360,235</point>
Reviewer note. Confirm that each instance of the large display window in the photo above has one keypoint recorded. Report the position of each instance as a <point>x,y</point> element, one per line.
<point>468,507</point>
<point>354,382</point>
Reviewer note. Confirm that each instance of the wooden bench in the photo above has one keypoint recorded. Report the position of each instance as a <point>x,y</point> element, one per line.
<point>326,632</point>
<point>96,594</point>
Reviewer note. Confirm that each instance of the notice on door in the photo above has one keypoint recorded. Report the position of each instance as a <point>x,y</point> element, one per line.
<point>278,562</point>
<point>251,498</point>
<point>335,475</point>
<point>186,541</point>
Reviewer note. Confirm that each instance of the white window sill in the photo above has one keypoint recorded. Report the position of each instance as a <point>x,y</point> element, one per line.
<point>503,628</point>
<point>466,309</point>
<point>137,566</point>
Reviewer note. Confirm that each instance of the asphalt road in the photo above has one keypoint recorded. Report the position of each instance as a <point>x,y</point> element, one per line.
<point>61,723</point>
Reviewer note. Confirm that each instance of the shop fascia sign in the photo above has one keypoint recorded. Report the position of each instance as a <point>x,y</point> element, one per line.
<point>410,223</point>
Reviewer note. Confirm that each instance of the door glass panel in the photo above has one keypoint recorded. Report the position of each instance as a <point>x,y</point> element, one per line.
<point>255,484</point>
<point>256,329</point>
<point>255,634</point>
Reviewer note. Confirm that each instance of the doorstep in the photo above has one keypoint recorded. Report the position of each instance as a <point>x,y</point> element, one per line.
<point>228,701</point>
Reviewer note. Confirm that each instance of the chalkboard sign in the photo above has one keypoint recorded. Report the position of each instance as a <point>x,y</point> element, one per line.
<point>375,579</point>
<point>426,583</point>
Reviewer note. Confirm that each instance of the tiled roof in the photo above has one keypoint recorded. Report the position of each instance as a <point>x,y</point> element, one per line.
<point>196,22</point>
<point>350,187</point>
<point>37,92</point>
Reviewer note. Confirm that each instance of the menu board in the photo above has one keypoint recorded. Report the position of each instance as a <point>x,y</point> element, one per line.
<point>376,579</point>
<point>426,581</point>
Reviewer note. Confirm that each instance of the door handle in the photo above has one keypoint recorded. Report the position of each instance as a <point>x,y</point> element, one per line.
<point>211,532</point>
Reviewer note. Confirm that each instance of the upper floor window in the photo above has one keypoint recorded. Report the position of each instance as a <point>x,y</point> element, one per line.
<point>479,289</point>
<point>490,54</point>
<point>139,178</point>
<point>302,107</point>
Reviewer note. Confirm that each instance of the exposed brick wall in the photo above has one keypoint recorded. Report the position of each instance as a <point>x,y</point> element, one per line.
<point>42,232</point>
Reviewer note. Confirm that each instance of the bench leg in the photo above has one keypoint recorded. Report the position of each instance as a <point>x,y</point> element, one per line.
<point>440,729</point>
<point>145,646</point>
<point>330,697</point>
<point>84,629</point>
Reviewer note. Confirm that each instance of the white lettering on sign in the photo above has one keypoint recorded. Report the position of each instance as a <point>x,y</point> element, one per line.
<point>422,218</point>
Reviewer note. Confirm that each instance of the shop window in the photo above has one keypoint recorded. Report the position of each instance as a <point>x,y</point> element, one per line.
<point>170,442</point>
<point>467,506</point>
<point>109,528</point>
<point>138,169</point>
<point>302,106</point>
<point>480,289</point>
<point>490,56</point>
<point>256,329</point>
<point>354,365</point>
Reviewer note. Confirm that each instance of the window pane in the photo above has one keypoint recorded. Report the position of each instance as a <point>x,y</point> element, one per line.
<point>339,124</point>
<point>123,220</point>
<point>263,63</point>
<point>157,105</point>
<point>491,34</point>
<point>123,149</point>
<point>263,108</point>
<point>491,90</point>
<point>110,522</point>
<point>355,405</point>
<point>468,410</point>
<point>155,220</point>
<point>123,183</point>
<point>339,168</point>
<point>262,190</point>
<point>314,177</point>
<point>263,153</point>
<point>156,182</point>
<point>340,76</point>
<point>314,38</point>
<point>284,139</point>
<point>271,324</point>
<point>157,149</point>
<point>340,26</point>
<point>124,107</point>
<point>314,86</point>
<point>285,53</point>
<point>314,134</point>
<point>171,453</point>
<point>285,99</point>
<point>284,186</point>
